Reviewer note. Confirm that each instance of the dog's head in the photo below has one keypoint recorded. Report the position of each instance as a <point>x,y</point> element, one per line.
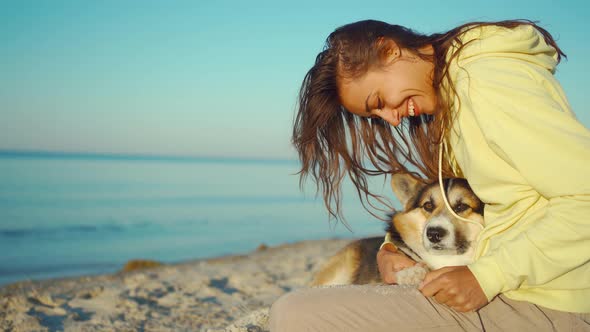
<point>426,225</point>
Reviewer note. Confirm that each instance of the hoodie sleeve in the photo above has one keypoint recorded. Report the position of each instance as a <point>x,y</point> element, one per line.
<point>526,122</point>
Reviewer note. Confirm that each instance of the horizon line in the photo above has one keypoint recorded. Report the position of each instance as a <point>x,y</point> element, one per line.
<point>79,155</point>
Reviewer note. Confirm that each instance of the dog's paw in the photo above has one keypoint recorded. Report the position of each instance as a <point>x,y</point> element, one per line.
<point>412,276</point>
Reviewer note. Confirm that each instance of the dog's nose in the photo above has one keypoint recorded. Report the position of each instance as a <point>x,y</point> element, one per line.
<point>435,234</point>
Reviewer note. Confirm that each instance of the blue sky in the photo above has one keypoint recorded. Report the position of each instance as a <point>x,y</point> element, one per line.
<point>215,78</point>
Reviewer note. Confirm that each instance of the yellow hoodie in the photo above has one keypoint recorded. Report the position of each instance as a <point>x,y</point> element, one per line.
<point>517,142</point>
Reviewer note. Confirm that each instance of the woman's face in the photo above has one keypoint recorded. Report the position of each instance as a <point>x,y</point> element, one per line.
<point>400,89</point>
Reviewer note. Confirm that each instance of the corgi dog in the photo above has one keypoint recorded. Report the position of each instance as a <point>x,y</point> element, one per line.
<point>425,230</point>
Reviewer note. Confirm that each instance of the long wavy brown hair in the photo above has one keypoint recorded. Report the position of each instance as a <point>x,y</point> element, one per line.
<point>333,143</point>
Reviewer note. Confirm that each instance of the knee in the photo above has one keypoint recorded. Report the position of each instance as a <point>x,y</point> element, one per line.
<point>284,313</point>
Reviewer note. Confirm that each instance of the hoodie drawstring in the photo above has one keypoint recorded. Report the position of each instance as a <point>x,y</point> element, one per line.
<point>442,189</point>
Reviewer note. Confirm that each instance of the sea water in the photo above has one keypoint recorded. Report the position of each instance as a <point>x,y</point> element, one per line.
<point>69,215</point>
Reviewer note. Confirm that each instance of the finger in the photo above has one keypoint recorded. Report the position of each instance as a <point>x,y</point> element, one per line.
<point>387,272</point>
<point>389,277</point>
<point>403,262</point>
<point>470,306</point>
<point>455,300</point>
<point>463,308</point>
<point>398,259</point>
<point>432,275</point>
<point>442,297</point>
<point>431,288</point>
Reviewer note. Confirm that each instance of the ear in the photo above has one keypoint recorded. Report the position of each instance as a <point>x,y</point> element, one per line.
<point>405,186</point>
<point>389,50</point>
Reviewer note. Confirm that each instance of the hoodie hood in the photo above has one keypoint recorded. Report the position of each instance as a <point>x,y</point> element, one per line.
<point>523,42</point>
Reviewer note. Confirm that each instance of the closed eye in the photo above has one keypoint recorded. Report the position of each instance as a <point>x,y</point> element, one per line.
<point>379,103</point>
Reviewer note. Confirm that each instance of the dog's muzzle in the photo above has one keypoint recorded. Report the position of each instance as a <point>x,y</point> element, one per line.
<point>436,234</point>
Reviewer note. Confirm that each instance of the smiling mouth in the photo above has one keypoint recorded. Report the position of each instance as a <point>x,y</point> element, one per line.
<point>412,110</point>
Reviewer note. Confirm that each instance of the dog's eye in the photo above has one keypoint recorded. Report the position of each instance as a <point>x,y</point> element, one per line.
<point>428,206</point>
<point>461,207</point>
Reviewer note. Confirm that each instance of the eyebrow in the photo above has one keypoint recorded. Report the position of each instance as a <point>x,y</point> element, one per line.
<point>367,102</point>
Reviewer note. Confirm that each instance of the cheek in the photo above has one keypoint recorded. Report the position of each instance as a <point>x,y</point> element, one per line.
<point>391,87</point>
<point>410,227</point>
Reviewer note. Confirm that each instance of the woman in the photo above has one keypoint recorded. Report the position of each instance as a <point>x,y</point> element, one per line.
<point>478,102</point>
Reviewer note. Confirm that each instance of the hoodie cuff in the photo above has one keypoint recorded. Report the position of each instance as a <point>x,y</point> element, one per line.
<point>489,276</point>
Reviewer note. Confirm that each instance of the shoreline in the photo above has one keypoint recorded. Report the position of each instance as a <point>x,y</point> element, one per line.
<point>26,284</point>
<point>201,294</point>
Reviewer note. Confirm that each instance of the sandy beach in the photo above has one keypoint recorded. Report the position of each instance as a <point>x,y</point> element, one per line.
<point>231,293</point>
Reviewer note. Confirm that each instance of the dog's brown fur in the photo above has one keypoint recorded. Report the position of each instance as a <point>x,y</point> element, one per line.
<point>424,230</point>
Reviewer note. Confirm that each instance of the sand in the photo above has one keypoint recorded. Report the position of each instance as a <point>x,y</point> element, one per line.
<point>230,293</point>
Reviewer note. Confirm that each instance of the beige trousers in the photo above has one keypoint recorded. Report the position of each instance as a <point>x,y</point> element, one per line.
<point>398,308</point>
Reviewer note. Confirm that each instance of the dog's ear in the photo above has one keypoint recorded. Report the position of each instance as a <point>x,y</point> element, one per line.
<point>405,186</point>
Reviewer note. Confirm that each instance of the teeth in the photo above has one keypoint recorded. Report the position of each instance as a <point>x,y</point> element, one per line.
<point>411,108</point>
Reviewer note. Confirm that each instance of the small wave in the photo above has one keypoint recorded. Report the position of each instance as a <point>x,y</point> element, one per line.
<point>112,227</point>
<point>41,269</point>
<point>94,156</point>
<point>29,232</point>
<point>15,232</point>
<point>61,202</point>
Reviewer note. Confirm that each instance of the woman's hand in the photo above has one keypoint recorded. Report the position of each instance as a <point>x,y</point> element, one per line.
<point>390,262</point>
<point>456,287</point>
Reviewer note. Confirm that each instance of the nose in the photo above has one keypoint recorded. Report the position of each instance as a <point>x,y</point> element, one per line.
<point>435,234</point>
<point>390,115</point>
